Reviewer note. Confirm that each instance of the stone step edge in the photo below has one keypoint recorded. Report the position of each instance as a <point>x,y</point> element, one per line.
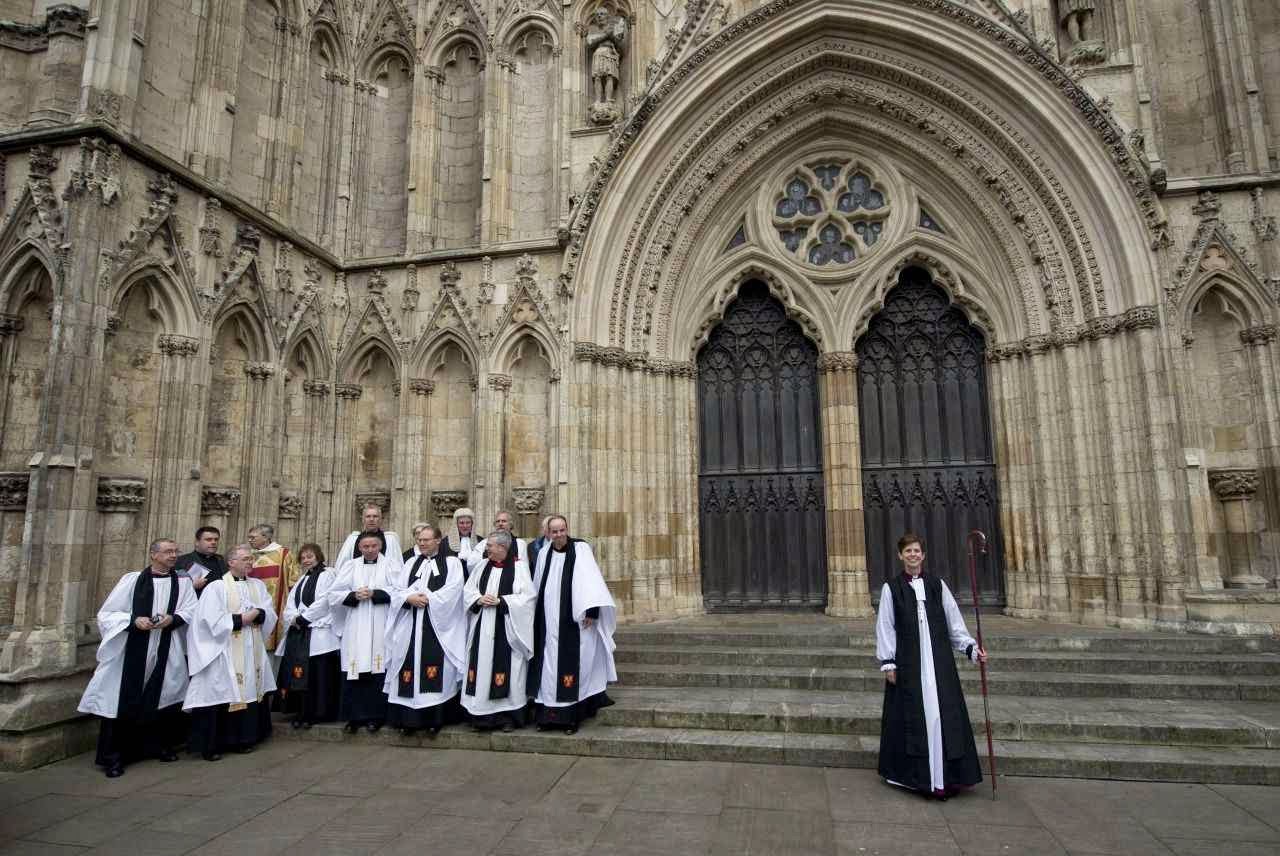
<point>1048,655</point>
<point>1091,761</point>
<point>1075,642</point>
<point>992,675</point>
<point>641,714</point>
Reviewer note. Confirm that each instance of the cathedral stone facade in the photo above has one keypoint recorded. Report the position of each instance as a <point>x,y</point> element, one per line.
<point>743,287</point>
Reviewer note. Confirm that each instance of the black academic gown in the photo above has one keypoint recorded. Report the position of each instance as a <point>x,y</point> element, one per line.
<point>904,739</point>
<point>310,687</point>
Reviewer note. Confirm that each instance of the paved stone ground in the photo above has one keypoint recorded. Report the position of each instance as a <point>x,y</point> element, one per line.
<point>293,797</point>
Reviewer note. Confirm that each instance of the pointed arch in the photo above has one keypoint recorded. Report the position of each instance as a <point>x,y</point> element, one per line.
<point>167,298</point>
<point>458,175</point>
<point>355,360</point>
<point>381,166</point>
<point>506,349</point>
<point>23,268</point>
<point>433,343</point>
<point>322,122</point>
<point>1249,298</point>
<point>307,348</point>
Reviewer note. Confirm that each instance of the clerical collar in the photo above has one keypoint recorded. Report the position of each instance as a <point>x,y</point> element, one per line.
<point>371,561</point>
<point>919,576</point>
<point>433,555</point>
<point>155,573</point>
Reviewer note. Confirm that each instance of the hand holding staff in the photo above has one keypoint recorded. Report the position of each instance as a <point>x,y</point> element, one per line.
<point>978,545</point>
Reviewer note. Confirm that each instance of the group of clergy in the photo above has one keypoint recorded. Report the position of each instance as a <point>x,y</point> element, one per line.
<point>492,630</point>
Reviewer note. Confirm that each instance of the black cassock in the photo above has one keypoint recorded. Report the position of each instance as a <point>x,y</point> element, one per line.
<point>904,738</point>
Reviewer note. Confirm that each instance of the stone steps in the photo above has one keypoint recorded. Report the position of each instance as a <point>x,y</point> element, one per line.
<point>1080,640</point>
<point>1047,720</point>
<point>1109,685</point>
<point>1013,758</point>
<point>1066,661</point>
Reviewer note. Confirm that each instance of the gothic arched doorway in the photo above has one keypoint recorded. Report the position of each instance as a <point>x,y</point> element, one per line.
<point>760,492</point>
<point>928,463</point>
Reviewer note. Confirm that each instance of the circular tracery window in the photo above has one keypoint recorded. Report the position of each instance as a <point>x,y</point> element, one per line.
<point>830,214</point>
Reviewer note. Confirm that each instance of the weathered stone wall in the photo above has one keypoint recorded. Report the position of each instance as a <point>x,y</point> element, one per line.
<point>266,261</point>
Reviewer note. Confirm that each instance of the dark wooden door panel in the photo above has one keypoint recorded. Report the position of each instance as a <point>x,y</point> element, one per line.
<point>927,459</point>
<point>761,505</point>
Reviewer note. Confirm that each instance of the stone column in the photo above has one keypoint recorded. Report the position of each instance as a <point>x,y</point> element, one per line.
<point>847,592</point>
<point>317,486</point>
<point>119,502</point>
<point>58,92</point>
<point>414,439</point>
<point>260,453</point>
<point>491,435</point>
<point>13,508</point>
<point>422,145</point>
<point>175,496</point>
<point>209,123</point>
<point>113,64</point>
<point>1235,489</point>
<point>348,401</point>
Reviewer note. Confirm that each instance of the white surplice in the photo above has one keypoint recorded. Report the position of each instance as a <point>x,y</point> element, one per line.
<point>887,650</point>
<point>319,614</point>
<point>446,617</point>
<point>595,645</point>
<point>519,629</point>
<point>477,557</point>
<point>349,552</point>
<point>362,628</point>
<point>102,696</point>
<point>212,637</point>
<point>463,547</point>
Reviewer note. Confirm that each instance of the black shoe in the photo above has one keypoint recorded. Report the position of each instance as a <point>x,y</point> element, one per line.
<point>307,725</point>
<point>571,729</point>
<point>432,732</point>
<point>508,727</point>
<point>408,732</point>
<point>115,771</point>
<point>168,756</point>
<point>373,727</point>
<point>243,750</point>
<point>351,727</point>
<point>212,756</point>
<point>297,723</point>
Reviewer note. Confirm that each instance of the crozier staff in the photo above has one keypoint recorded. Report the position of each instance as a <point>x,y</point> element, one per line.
<point>926,741</point>
<point>141,677</point>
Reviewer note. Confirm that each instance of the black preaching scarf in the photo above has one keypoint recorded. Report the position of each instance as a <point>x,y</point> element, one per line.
<point>568,659</point>
<point>499,683</point>
<point>136,700</point>
<point>431,665</point>
<point>297,644</point>
<point>355,553</point>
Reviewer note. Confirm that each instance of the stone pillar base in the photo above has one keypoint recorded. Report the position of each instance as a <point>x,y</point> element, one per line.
<point>39,722</point>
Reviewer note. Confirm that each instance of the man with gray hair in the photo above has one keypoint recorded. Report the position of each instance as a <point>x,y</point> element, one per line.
<point>499,599</point>
<point>141,676</point>
<point>370,521</point>
<point>275,566</point>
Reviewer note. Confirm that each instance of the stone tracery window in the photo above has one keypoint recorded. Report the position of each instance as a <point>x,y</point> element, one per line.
<point>830,214</point>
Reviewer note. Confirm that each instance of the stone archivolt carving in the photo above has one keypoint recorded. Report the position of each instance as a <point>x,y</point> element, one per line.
<point>527,500</point>
<point>290,506</point>
<point>445,502</point>
<point>1229,484</point>
<point>380,498</point>
<point>1014,42</point>
<point>13,491</point>
<point>215,499</point>
<point>121,494</point>
<point>1137,318</point>
<point>589,352</point>
<point>178,346</point>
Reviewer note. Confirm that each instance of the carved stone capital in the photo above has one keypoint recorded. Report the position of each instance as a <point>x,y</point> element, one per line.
<point>1233,483</point>
<point>445,502</point>
<point>315,388</point>
<point>121,494</point>
<point>380,498</point>
<point>11,324</point>
<point>421,386</point>
<point>113,324</point>
<point>41,162</point>
<point>216,499</point>
<point>66,20</point>
<point>290,506</point>
<point>13,491</point>
<point>1140,318</point>
<point>501,382</point>
<point>173,345</point>
<point>527,500</point>
<point>259,371</point>
<point>1262,334</point>
<point>587,352</point>
<point>838,361</point>
<point>349,391</point>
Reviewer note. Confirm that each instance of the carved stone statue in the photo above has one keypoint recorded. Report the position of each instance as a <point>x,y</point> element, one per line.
<point>606,40</point>
<point>1078,20</point>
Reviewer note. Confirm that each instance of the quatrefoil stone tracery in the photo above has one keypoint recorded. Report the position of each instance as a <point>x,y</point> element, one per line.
<point>830,214</point>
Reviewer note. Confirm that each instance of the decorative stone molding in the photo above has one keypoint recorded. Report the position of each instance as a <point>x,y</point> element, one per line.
<point>420,386</point>
<point>377,282</point>
<point>349,391</point>
<point>501,382</point>
<point>838,361</point>
<point>41,162</point>
<point>98,171</point>
<point>216,499</point>
<point>211,228</point>
<point>104,106</point>
<point>380,498</point>
<point>445,502</point>
<point>11,324</point>
<point>1137,318</point>
<point>162,196</point>
<point>1264,225</point>
<point>27,38</point>
<point>1262,334</point>
<point>121,494</point>
<point>527,500</point>
<point>259,371</point>
<point>174,345</point>
<point>1140,318</point>
<point>409,301</point>
<point>315,388</point>
<point>13,491</point>
<point>290,506</point>
<point>113,323</point>
<point>1229,484</point>
<point>589,352</point>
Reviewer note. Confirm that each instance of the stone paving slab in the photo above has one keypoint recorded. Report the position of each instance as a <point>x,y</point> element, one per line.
<point>282,799</point>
